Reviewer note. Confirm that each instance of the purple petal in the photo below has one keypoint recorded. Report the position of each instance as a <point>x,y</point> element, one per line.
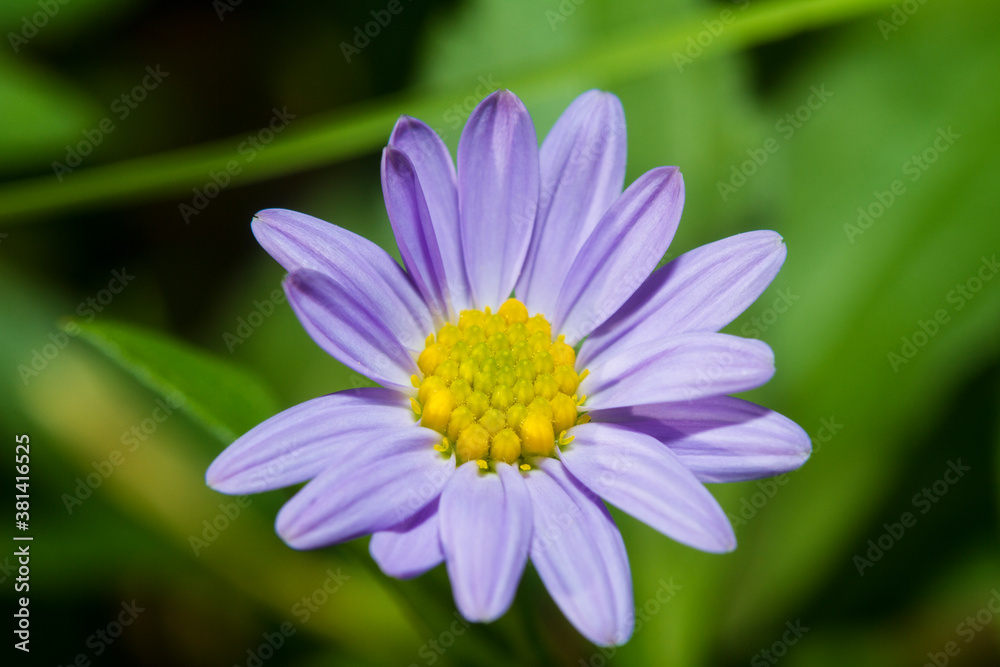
<point>297,444</point>
<point>345,324</point>
<point>298,241</point>
<point>436,175</point>
<point>580,556</point>
<point>412,547</point>
<point>385,480</point>
<point>621,252</point>
<point>411,223</point>
<point>703,290</point>
<point>485,531</point>
<point>638,474</point>
<point>719,439</point>
<point>497,195</point>
<point>679,368</point>
<point>582,164</point>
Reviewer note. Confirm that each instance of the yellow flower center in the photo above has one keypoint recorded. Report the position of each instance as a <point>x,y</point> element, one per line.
<point>498,387</point>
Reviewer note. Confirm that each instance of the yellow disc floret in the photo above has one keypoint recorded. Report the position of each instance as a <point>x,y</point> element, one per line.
<point>498,387</point>
<point>538,434</point>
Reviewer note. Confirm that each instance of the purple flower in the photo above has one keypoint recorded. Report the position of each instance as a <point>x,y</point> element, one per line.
<point>496,433</point>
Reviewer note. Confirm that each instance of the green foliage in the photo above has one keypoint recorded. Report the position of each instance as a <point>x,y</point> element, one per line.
<point>226,399</point>
<point>871,106</point>
<point>40,113</point>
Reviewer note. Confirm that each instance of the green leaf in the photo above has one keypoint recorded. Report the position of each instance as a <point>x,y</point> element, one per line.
<point>323,140</point>
<point>859,296</point>
<point>39,114</point>
<point>31,19</point>
<point>224,398</point>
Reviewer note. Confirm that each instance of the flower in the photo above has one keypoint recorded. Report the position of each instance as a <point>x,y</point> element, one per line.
<point>502,422</point>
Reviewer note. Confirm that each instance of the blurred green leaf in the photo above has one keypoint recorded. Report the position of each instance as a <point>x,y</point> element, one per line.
<point>39,114</point>
<point>323,140</point>
<point>857,301</point>
<point>224,398</point>
<point>857,298</point>
<point>82,405</point>
<point>30,18</point>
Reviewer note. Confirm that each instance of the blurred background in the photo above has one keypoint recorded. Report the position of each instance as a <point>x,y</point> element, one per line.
<point>141,330</point>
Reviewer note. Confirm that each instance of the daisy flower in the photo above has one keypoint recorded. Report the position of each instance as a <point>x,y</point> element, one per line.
<point>531,363</point>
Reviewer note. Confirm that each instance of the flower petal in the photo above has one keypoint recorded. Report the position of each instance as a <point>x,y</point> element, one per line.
<point>412,547</point>
<point>582,163</point>
<point>299,241</point>
<point>621,252</point>
<point>719,439</point>
<point>382,482</point>
<point>497,195</point>
<point>638,474</point>
<point>346,325</point>
<point>485,532</point>
<point>297,444</point>
<point>436,175</point>
<point>679,368</point>
<point>411,224</point>
<point>580,556</point>
<point>702,290</point>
